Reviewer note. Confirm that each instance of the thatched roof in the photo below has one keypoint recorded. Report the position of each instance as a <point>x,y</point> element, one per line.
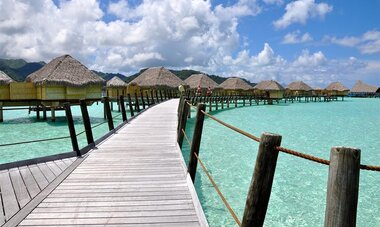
<point>235,83</point>
<point>157,77</point>
<point>269,85</point>
<point>4,78</point>
<point>336,86</point>
<point>116,82</point>
<point>299,86</point>
<point>361,87</point>
<point>65,70</point>
<point>201,80</point>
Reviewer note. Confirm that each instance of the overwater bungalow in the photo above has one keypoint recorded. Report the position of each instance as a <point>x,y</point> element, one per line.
<point>299,88</point>
<point>336,89</point>
<point>155,78</point>
<point>5,80</point>
<point>318,91</point>
<point>202,82</point>
<point>269,89</point>
<point>235,86</point>
<point>65,78</point>
<point>361,89</point>
<point>116,87</point>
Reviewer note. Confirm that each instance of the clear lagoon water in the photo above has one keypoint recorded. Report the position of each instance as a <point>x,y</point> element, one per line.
<point>299,190</point>
<point>298,195</point>
<point>19,126</point>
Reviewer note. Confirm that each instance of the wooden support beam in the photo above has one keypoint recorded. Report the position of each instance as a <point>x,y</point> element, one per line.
<point>44,113</point>
<point>130,105</point>
<point>342,187</point>
<point>122,107</point>
<point>196,143</point>
<point>152,95</point>
<point>182,121</point>
<point>70,124</point>
<point>137,104</point>
<point>52,109</point>
<point>1,114</point>
<point>142,100</point>
<point>86,122</point>
<point>109,114</point>
<point>262,180</point>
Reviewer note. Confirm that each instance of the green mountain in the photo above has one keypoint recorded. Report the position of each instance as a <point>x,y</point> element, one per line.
<point>108,76</point>
<point>19,69</point>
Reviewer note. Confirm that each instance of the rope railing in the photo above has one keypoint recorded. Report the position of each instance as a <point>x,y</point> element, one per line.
<point>281,149</point>
<point>229,208</point>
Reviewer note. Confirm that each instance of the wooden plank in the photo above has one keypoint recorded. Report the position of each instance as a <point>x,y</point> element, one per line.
<point>54,168</point>
<point>46,171</point>
<point>2,217</point>
<point>8,196</point>
<point>67,161</point>
<point>38,176</point>
<point>29,181</point>
<point>61,164</point>
<point>19,187</point>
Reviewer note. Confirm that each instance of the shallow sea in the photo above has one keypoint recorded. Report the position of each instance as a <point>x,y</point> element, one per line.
<point>299,190</point>
<point>298,195</point>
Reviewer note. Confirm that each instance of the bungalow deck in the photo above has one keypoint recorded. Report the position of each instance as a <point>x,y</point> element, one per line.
<point>136,177</point>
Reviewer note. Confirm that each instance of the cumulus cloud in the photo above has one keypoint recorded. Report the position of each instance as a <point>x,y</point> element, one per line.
<point>368,43</point>
<point>274,2</point>
<point>300,11</point>
<point>296,37</point>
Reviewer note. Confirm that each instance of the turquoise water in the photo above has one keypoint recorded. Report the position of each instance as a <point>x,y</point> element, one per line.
<point>20,126</point>
<point>298,195</point>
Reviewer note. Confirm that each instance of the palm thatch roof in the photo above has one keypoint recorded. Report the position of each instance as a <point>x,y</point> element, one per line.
<point>65,70</point>
<point>4,78</point>
<point>235,83</point>
<point>361,87</point>
<point>116,82</point>
<point>201,80</point>
<point>336,86</point>
<point>299,86</point>
<point>157,77</point>
<point>269,85</point>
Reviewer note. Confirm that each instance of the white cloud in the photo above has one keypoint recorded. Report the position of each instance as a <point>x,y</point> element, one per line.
<point>368,43</point>
<point>296,37</point>
<point>307,59</point>
<point>300,11</point>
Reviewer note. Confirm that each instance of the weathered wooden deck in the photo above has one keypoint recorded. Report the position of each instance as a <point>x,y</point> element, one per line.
<point>136,177</point>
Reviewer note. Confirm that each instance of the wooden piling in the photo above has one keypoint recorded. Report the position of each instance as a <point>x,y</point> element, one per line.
<point>236,100</point>
<point>210,105</point>
<point>52,109</point>
<point>262,179</point>
<point>342,187</point>
<point>70,124</point>
<point>216,103</point>
<point>1,114</point>
<point>197,135</point>
<point>158,101</point>
<point>142,100</point>
<point>86,122</point>
<point>108,112</point>
<point>122,107</point>
<point>161,98</point>
<point>147,98</point>
<point>137,104</point>
<point>182,121</point>
<point>44,117</point>
<point>38,112</point>
<point>130,105</point>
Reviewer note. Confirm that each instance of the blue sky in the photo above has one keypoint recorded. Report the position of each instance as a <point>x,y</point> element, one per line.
<point>318,41</point>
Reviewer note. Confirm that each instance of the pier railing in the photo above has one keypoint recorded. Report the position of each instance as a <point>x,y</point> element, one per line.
<point>132,104</point>
<point>343,178</point>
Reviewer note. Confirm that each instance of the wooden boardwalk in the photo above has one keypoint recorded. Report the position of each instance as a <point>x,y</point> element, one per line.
<point>137,177</point>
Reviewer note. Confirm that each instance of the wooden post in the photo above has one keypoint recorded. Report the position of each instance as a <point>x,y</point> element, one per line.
<point>52,114</point>
<point>1,113</point>
<point>130,105</point>
<point>147,98</point>
<point>210,105</point>
<point>243,100</point>
<point>70,124</point>
<point>111,104</point>
<point>216,103</point>
<point>142,100</point>
<point>38,112</point>
<point>109,114</point>
<point>161,96</point>
<point>165,95</point>
<point>182,121</point>
<point>152,95</point>
<point>236,100</point>
<point>86,121</point>
<point>197,135</point>
<point>228,101</point>
<point>262,179</point>
<point>44,113</point>
<point>137,104</point>
<point>158,101</point>
<point>122,106</point>
<point>104,110</point>
<point>342,187</point>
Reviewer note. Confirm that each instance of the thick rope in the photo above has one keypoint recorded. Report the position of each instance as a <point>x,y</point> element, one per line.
<point>213,183</point>
<point>371,168</point>
<point>302,155</point>
<point>257,139</point>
